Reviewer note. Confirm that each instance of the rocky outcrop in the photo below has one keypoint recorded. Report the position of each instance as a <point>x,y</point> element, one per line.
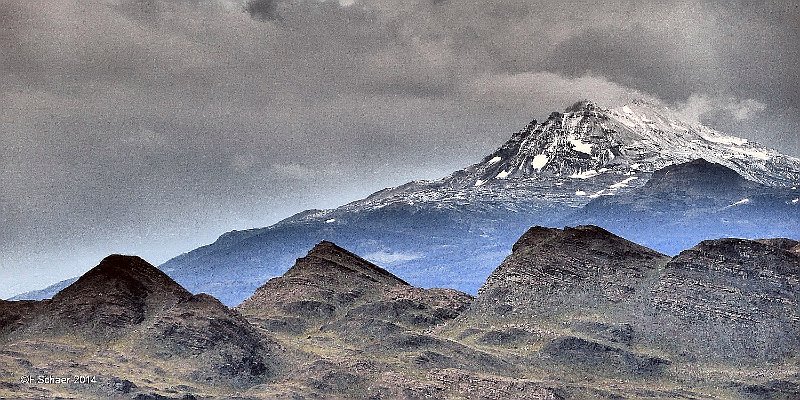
<point>126,302</point>
<point>231,350</point>
<point>727,299</point>
<point>333,286</point>
<point>600,359</point>
<point>564,273</point>
<point>782,243</point>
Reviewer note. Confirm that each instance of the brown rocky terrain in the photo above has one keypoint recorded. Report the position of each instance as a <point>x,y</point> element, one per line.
<point>728,299</point>
<point>569,273</point>
<point>573,313</point>
<point>583,305</point>
<point>125,321</point>
<point>332,282</point>
<point>340,313</point>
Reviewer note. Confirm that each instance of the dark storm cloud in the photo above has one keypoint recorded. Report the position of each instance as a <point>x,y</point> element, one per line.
<point>746,52</point>
<point>151,126</point>
<point>636,57</point>
<point>266,10</point>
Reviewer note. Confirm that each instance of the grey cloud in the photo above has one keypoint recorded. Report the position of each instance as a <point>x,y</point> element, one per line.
<point>636,58</point>
<point>146,11</point>
<point>151,126</point>
<point>265,10</point>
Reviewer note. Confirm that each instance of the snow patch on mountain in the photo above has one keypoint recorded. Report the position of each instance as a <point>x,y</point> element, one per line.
<point>539,161</point>
<point>588,149</point>
<point>740,203</point>
<point>580,146</point>
<point>585,174</point>
<point>722,139</point>
<point>624,183</point>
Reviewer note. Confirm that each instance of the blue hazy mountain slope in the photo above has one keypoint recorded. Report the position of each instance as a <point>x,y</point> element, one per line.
<point>432,248</point>
<point>452,232</point>
<point>45,293</point>
<point>686,203</point>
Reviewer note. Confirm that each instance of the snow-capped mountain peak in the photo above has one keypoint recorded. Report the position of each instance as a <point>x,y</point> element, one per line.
<point>580,154</point>
<point>587,139</point>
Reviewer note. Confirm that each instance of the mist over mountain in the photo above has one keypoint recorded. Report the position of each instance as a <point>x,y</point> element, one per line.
<point>574,168</point>
<point>694,201</point>
<point>630,169</point>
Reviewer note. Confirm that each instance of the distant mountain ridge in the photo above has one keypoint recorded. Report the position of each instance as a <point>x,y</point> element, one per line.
<point>45,293</point>
<point>586,143</point>
<point>700,200</point>
<point>578,167</point>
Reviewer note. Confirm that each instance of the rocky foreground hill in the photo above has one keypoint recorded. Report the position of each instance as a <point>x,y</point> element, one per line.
<point>573,313</point>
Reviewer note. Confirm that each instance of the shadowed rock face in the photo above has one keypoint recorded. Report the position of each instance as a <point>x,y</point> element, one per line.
<point>677,191</point>
<point>782,243</point>
<point>332,283</point>
<point>729,298</point>
<point>125,301</point>
<point>598,358</point>
<point>122,291</point>
<point>13,314</point>
<point>698,175</point>
<point>119,293</point>
<point>231,350</point>
<point>554,272</point>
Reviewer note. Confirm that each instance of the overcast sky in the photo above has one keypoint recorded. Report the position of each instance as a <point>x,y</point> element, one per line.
<point>150,127</point>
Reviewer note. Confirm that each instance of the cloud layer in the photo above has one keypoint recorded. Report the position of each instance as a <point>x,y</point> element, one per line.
<point>151,126</point>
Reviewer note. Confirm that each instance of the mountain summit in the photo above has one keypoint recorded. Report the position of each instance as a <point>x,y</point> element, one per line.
<point>588,140</point>
<point>585,152</point>
<point>541,176</point>
<point>460,226</point>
